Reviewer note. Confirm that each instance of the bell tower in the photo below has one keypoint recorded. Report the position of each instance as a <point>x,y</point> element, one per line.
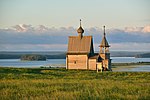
<point>104,53</point>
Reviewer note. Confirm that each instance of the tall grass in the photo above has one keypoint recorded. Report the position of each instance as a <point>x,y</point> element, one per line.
<point>46,84</point>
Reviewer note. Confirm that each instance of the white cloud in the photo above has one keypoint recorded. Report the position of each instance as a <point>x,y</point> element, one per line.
<point>42,28</point>
<point>44,38</point>
<point>23,28</point>
<point>133,29</point>
<point>145,29</point>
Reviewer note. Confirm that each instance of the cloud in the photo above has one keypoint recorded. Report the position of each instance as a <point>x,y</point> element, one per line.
<point>132,46</point>
<point>33,47</point>
<point>133,29</point>
<point>124,36</point>
<point>42,28</point>
<point>145,29</point>
<point>23,28</point>
<point>21,37</point>
<point>128,46</point>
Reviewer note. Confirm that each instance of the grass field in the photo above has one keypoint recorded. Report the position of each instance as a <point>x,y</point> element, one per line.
<point>59,83</point>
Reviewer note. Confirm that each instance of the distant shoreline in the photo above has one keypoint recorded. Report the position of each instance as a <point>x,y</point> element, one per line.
<point>62,55</point>
<point>127,64</point>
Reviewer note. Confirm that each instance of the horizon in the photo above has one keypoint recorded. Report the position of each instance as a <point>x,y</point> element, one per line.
<point>146,51</point>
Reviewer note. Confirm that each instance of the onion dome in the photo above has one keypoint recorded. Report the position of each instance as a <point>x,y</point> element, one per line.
<point>80,29</point>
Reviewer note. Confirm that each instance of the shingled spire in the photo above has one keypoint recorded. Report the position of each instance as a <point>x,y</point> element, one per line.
<point>104,42</point>
<point>104,46</point>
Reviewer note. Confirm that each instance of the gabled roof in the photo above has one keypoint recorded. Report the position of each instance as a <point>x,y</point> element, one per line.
<point>80,45</point>
<point>104,42</point>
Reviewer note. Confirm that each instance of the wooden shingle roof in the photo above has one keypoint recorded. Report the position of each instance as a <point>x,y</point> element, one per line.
<point>104,42</point>
<point>80,45</point>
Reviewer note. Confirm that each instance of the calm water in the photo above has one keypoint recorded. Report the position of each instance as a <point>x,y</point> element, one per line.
<point>61,63</point>
<point>137,68</point>
<point>129,59</point>
<point>19,63</point>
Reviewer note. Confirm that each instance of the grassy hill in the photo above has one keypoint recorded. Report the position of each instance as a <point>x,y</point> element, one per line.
<point>59,83</point>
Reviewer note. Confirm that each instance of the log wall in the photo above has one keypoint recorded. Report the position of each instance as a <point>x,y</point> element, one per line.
<point>77,62</point>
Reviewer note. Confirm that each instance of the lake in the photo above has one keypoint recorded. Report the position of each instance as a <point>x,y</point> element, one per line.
<point>135,68</point>
<point>61,62</point>
<point>19,63</point>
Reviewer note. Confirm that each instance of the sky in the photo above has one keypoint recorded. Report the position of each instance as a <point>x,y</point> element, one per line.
<point>44,25</point>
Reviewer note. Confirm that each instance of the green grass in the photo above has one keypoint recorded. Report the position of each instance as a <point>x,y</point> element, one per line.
<point>59,83</point>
